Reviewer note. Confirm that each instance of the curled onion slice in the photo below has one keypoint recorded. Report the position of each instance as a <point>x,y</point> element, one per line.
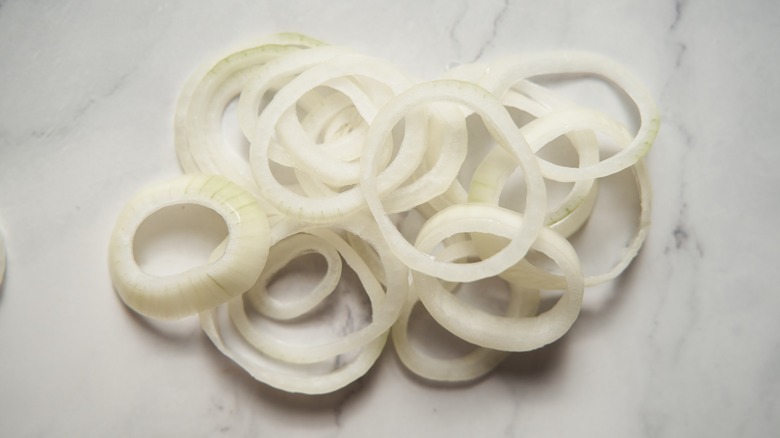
<point>202,287</point>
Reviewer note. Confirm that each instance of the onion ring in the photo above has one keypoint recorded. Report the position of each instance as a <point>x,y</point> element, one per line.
<point>202,287</point>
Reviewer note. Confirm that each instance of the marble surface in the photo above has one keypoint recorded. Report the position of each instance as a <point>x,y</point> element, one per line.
<point>687,343</point>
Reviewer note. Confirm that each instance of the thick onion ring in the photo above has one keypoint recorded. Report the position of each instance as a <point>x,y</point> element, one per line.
<point>202,287</point>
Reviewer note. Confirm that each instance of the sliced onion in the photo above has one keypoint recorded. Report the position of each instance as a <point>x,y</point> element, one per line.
<point>483,329</point>
<point>476,363</point>
<point>202,287</point>
<point>324,126</point>
<point>292,379</point>
<point>507,71</point>
<point>494,172</point>
<point>282,254</point>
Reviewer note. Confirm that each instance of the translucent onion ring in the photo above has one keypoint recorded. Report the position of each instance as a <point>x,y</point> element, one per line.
<point>481,328</point>
<point>506,72</point>
<point>476,363</point>
<point>199,288</point>
<point>545,129</point>
<point>282,254</point>
<point>503,128</point>
<point>496,167</point>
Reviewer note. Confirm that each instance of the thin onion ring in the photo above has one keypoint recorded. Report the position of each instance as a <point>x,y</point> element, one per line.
<point>490,331</point>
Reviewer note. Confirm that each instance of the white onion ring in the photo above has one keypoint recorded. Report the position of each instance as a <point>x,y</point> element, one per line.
<point>483,329</point>
<point>292,380</point>
<point>476,363</point>
<point>280,255</point>
<point>203,287</point>
<point>506,72</point>
<point>549,127</point>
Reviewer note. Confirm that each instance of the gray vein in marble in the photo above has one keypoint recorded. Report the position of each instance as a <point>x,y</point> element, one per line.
<point>679,5</point>
<point>681,257</point>
<point>66,125</point>
<point>493,30</point>
<point>679,46</point>
<point>456,24</point>
<point>485,44</point>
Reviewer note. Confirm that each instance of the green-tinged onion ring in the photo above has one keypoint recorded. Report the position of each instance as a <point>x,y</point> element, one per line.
<point>481,328</point>
<point>476,363</point>
<point>199,109</point>
<point>507,71</point>
<point>282,254</point>
<point>203,287</point>
<point>274,75</point>
<point>198,123</point>
<point>500,124</point>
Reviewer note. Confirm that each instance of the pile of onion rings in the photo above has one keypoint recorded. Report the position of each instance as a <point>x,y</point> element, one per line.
<point>346,152</point>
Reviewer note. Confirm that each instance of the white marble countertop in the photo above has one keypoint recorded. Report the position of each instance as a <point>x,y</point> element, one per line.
<point>686,344</point>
